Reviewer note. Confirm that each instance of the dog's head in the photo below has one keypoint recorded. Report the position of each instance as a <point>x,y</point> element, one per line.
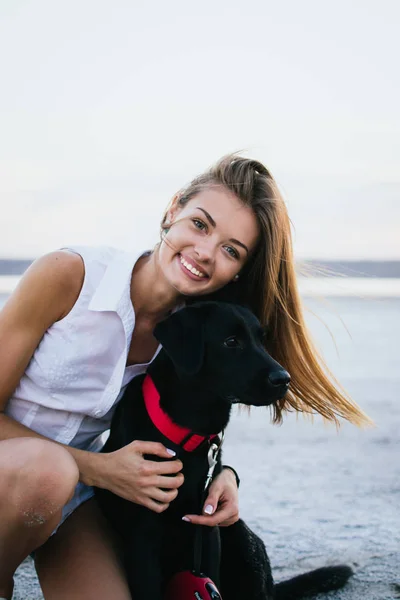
<point>220,347</point>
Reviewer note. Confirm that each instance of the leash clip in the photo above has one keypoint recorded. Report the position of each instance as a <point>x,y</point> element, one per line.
<point>212,458</point>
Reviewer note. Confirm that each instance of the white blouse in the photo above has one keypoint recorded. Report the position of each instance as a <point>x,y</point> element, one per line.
<point>78,372</point>
<point>69,389</point>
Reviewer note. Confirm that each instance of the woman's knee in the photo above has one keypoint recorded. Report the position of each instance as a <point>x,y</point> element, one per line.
<point>39,476</point>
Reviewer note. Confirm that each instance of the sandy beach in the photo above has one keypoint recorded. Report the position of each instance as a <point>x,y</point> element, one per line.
<point>318,497</point>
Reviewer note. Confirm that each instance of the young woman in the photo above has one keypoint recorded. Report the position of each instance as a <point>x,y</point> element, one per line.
<point>79,327</point>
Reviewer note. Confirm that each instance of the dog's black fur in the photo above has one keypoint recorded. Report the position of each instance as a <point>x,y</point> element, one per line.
<point>212,357</point>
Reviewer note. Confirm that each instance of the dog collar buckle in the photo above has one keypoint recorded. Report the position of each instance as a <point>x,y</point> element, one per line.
<point>212,457</point>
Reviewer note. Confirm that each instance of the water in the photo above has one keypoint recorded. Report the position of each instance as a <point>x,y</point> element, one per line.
<point>319,497</point>
<point>361,287</point>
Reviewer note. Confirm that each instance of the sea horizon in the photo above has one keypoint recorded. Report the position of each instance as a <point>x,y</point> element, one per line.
<point>351,267</point>
<point>364,278</point>
<point>310,286</point>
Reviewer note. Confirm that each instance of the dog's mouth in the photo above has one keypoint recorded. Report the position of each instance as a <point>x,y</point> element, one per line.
<point>259,397</point>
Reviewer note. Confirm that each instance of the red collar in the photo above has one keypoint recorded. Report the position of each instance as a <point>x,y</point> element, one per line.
<point>177,434</point>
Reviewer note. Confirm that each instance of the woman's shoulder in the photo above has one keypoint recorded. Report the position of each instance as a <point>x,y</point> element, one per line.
<point>60,275</point>
<point>45,292</point>
<point>69,267</point>
<point>61,269</point>
<point>102,255</point>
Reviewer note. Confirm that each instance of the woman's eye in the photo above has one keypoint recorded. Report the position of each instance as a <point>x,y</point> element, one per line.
<point>199,224</point>
<point>232,251</point>
<point>231,342</point>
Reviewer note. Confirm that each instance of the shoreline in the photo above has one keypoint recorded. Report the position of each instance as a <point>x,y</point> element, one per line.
<point>360,287</point>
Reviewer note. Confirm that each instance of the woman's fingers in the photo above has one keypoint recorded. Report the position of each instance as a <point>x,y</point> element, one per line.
<point>167,482</point>
<point>154,448</point>
<point>133,476</point>
<point>167,467</point>
<point>156,499</point>
<point>163,474</point>
<point>163,496</point>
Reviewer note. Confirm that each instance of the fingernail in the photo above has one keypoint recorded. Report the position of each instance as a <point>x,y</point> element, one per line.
<point>171,452</point>
<point>186,519</point>
<point>209,509</point>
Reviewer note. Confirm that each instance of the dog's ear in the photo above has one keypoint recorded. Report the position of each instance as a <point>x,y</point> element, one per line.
<point>182,337</point>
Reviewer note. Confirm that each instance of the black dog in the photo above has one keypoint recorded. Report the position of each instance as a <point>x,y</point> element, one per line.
<point>213,356</point>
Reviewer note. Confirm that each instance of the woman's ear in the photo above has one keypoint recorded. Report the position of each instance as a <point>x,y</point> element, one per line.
<point>172,209</point>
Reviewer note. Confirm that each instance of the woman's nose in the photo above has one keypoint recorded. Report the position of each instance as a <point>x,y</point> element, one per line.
<point>204,252</point>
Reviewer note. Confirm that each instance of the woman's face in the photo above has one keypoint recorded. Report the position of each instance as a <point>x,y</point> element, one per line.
<point>209,242</point>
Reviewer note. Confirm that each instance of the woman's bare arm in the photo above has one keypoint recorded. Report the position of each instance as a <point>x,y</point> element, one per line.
<point>46,293</point>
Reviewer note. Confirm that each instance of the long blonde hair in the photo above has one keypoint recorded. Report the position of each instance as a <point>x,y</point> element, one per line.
<point>268,286</point>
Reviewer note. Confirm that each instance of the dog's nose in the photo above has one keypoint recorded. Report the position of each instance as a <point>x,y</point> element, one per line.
<point>281,377</point>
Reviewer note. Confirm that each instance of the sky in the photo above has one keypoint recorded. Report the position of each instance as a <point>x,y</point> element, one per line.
<point>108,108</point>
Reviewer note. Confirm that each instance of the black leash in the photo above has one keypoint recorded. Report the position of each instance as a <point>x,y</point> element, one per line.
<point>212,457</point>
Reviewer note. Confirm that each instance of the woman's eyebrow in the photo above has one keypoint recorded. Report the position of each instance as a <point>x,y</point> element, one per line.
<point>213,223</point>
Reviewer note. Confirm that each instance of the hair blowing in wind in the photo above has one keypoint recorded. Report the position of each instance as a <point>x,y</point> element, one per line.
<point>268,286</point>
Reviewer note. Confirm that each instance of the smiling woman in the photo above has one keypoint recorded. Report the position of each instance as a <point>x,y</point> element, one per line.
<point>210,240</point>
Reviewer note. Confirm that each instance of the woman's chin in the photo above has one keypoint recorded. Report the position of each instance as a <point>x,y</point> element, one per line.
<point>186,289</point>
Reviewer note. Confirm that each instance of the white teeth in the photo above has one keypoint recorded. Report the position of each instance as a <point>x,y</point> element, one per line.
<point>189,267</point>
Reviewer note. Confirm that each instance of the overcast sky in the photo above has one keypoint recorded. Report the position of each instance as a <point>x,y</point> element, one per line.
<point>107,108</point>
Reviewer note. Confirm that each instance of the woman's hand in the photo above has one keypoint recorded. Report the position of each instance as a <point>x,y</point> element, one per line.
<point>129,475</point>
<point>223,498</point>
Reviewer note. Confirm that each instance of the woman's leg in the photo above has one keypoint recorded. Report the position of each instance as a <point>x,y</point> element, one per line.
<point>37,478</point>
<point>81,561</point>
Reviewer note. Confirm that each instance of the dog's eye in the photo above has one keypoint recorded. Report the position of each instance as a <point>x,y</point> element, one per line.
<point>232,342</point>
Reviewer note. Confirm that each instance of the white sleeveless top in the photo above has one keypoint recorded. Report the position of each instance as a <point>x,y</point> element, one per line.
<point>78,372</point>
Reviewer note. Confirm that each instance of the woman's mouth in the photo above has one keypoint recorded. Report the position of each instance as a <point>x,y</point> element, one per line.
<point>190,271</point>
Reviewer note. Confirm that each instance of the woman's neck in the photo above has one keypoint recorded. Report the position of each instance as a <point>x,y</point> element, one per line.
<point>151,295</point>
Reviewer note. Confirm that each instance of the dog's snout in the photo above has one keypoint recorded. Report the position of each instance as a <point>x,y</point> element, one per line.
<point>280,377</point>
